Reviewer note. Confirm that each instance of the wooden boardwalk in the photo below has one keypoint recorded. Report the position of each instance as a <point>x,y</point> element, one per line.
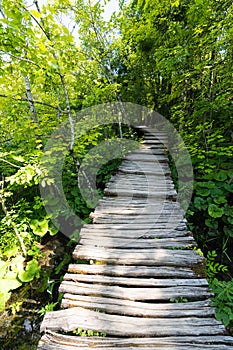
<point>141,284</point>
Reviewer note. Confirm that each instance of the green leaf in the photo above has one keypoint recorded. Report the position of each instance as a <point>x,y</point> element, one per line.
<point>230,220</point>
<point>3,300</point>
<point>18,158</point>
<point>228,187</point>
<point>204,192</point>
<point>221,176</point>
<point>32,270</point>
<point>39,228</point>
<point>220,200</point>
<point>200,203</point>
<point>8,284</point>
<point>206,184</point>
<point>228,231</point>
<point>214,211</point>
<point>211,223</point>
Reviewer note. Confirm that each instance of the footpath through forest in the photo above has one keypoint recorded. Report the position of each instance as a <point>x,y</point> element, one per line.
<point>141,283</point>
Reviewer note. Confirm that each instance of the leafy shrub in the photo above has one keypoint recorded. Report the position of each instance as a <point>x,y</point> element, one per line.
<point>223,301</point>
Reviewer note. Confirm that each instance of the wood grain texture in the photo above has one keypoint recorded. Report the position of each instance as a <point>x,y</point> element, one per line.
<point>135,293</point>
<point>132,281</point>
<point>111,242</point>
<point>146,257</point>
<point>139,309</point>
<point>53,341</point>
<point>70,319</point>
<point>133,271</point>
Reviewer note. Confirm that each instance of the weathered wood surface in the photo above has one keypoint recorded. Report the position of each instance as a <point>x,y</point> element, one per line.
<point>54,341</point>
<point>135,263</point>
<point>130,293</point>
<point>146,257</point>
<point>139,309</point>
<point>124,326</point>
<point>131,271</point>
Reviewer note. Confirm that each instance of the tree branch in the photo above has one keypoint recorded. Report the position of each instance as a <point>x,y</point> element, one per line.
<point>21,59</point>
<point>35,101</point>
<point>6,161</point>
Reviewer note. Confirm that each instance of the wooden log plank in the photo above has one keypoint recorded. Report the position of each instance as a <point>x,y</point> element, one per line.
<point>156,257</point>
<point>158,233</point>
<point>111,242</point>
<point>133,226</point>
<point>70,319</point>
<point>139,309</point>
<point>144,167</point>
<point>147,211</point>
<point>133,271</point>
<point>140,194</point>
<point>146,158</point>
<point>143,215</point>
<point>156,213</point>
<point>138,188</point>
<point>135,293</point>
<point>142,178</point>
<point>139,282</point>
<point>145,171</point>
<point>117,219</point>
<point>140,218</point>
<point>141,208</point>
<point>123,184</point>
<point>126,180</point>
<point>62,342</point>
<point>131,205</point>
<point>111,343</point>
<point>136,201</point>
<point>146,150</point>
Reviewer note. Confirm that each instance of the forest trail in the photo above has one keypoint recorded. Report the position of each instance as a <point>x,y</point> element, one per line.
<point>141,284</point>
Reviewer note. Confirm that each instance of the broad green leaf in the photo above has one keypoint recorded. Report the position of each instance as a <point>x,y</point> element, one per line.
<point>220,200</point>
<point>200,203</point>
<point>32,270</point>
<point>228,231</point>
<point>211,223</point>
<point>39,228</point>
<point>230,220</point>
<point>221,176</point>
<point>204,192</point>
<point>8,284</point>
<point>215,211</point>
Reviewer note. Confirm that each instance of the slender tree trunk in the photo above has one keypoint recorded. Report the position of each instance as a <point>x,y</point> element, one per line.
<point>30,98</point>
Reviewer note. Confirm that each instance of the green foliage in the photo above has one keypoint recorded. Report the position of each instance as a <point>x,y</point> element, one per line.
<point>223,301</point>
<point>8,279</point>
<point>88,333</point>
<point>180,299</point>
<point>213,205</point>
<point>31,271</point>
<point>47,308</point>
<point>213,268</point>
<point>12,273</point>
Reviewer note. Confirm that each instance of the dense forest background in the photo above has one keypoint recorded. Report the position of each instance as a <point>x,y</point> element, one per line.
<point>56,59</point>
